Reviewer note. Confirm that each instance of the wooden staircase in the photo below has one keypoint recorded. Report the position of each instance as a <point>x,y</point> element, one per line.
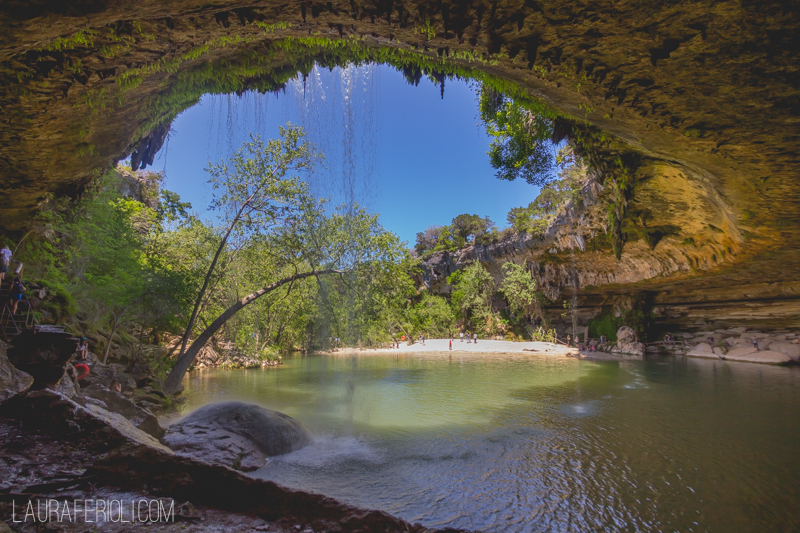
<point>12,325</point>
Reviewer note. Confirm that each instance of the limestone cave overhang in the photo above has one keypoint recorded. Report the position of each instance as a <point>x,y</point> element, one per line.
<point>689,109</point>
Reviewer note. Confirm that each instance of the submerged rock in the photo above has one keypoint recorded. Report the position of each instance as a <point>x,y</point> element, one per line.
<point>236,434</point>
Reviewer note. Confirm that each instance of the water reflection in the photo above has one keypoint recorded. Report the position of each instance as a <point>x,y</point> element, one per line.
<point>509,443</point>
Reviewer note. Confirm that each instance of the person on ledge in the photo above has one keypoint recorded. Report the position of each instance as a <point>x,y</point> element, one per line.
<point>5,261</point>
<point>83,349</point>
<point>15,294</point>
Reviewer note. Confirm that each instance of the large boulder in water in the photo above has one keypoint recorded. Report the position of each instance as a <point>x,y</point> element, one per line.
<point>236,434</point>
<point>628,343</point>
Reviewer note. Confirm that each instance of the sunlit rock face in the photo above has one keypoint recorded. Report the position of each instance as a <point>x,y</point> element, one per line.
<point>703,96</point>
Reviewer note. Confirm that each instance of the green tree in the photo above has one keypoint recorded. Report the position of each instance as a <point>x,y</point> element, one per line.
<point>519,289</point>
<point>538,214</point>
<point>310,245</point>
<point>99,259</point>
<point>254,195</point>
<point>521,140</point>
<point>473,289</point>
<point>428,239</point>
<point>468,228</point>
<point>433,316</point>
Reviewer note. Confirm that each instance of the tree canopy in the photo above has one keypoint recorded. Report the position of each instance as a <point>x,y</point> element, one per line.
<point>521,139</point>
<point>519,289</point>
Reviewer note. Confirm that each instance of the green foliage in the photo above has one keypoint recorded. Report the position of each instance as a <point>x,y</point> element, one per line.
<point>272,229</point>
<point>535,218</point>
<point>79,38</point>
<point>473,289</point>
<point>541,334</point>
<point>59,304</point>
<point>464,229</point>
<point>428,239</point>
<point>468,228</point>
<point>433,316</point>
<point>521,146</point>
<point>605,324</point>
<point>95,259</point>
<point>369,304</point>
<point>519,289</point>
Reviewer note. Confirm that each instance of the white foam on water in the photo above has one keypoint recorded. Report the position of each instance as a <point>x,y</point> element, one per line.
<point>638,384</point>
<point>580,409</point>
<point>328,450</point>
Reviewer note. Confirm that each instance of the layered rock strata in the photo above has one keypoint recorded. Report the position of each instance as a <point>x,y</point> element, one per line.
<point>686,111</point>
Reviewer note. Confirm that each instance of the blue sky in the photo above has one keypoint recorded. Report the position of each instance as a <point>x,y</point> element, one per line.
<point>399,150</point>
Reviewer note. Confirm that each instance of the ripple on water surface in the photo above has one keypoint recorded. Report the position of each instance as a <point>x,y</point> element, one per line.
<point>536,443</point>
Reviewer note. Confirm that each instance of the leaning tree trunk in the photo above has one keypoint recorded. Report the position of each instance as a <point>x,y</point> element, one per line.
<point>110,340</point>
<point>175,377</point>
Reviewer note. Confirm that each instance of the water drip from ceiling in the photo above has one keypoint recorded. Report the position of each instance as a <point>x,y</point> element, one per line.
<point>337,109</point>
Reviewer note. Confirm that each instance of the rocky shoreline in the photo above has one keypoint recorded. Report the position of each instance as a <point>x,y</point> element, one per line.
<point>735,344</point>
<point>63,439</point>
<point>224,354</point>
<point>60,442</point>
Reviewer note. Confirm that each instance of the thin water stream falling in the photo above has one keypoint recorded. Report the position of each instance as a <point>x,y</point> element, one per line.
<point>337,108</point>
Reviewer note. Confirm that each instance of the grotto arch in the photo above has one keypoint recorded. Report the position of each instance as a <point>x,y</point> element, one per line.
<point>691,109</point>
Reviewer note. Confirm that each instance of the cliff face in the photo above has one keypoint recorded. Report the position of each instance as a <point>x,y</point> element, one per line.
<point>687,110</point>
<point>687,261</point>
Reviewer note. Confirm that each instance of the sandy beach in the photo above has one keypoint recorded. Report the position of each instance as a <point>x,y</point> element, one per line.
<point>439,346</point>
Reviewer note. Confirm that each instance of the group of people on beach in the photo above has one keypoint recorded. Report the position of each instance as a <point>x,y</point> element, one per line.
<point>470,337</point>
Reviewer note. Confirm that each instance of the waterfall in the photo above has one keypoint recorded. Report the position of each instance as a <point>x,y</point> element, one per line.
<point>343,100</point>
<point>337,109</point>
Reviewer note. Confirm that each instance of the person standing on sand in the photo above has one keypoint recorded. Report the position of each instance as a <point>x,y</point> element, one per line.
<point>755,343</point>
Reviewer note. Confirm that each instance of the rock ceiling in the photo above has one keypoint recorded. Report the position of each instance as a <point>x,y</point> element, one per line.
<point>703,94</point>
